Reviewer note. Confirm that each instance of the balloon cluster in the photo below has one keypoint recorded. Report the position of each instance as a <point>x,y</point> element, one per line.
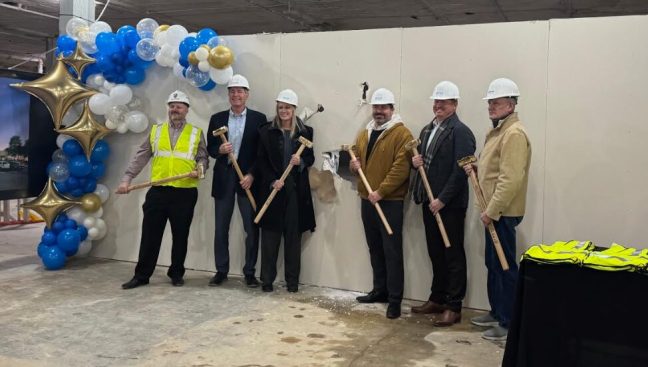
<point>116,54</point>
<point>201,58</point>
<point>73,174</point>
<point>118,104</point>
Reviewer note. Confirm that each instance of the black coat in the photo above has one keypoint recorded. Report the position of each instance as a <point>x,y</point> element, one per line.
<point>247,154</point>
<point>447,180</point>
<point>270,168</point>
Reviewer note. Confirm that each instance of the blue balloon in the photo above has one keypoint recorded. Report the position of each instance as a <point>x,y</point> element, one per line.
<point>89,70</point>
<point>134,75</point>
<point>98,170</point>
<point>205,34</point>
<point>120,79</point>
<point>104,62</point>
<point>76,192</point>
<point>131,38</point>
<point>65,43</point>
<point>71,147</point>
<point>48,168</point>
<point>57,227</point>
<point>68,240</point>
<point>62,218</point>
<point>61,186</point>
<point>53,258</point>
<point>184,62</point>
<point>107,43</point>
<point>42,248</point>
<point>72,183</point>
<point>124,29</point>
<point>48,238</point>
<point>79,166</point>
<point>209,86</point>
<point>90,185</point>
<point>187,45</point>
<point>71,224</point>
<point>83,233</point>
<point>100,152</point>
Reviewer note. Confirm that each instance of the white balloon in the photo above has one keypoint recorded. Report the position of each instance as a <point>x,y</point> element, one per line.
<point>93,233</point>
<point>100,103</point>
<point>110,124</point>
<point>204,66</point>
<point>136,121</point>
<point>61,139</point>
<point>166,50</point>
<point>95,80</point>
<point>202,54</point>
<point>108,85</point>
<point>175,34</point>
<point>89,222</point>
<point>74,26</point>
<point>221,76</point>
<point>136,103</point>
<point>98,213</point>
<point>100,224</point>
<point>120,94</point>
<point>84,248</point>
<point>161,38</point>
<point>77,214</point>
<point>159,58</point>
<point>193,34</point>
<point>122,128</point>
<point>103,192</point>
<point>100,26</point>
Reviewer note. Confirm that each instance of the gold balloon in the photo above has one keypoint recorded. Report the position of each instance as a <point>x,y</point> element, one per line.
<point>86,130</point>
<point>161,28</point>
<point>90,203</point>
<point>220,57</point>
<point>58,90</point>
<point>78,60</point>
<point>50,203</point>
<point>193,60</point>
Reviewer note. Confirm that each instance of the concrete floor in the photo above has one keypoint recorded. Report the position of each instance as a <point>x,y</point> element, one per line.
<point>79,316</point>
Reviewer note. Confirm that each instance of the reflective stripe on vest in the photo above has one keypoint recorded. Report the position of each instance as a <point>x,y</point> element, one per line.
<point>560,252</point>
<point>169,162</point>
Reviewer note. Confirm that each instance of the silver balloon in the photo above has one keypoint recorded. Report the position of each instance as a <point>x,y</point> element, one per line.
<point>196,77</point>
<point>116,113</point>
<point>59,171</point>
<point>59,156</point>
<point>146,49</point>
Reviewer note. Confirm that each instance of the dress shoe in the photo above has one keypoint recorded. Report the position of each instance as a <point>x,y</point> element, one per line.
<point>217,279</point>
<point>134,283</point>
<point>292,288</point>
<point>393,310</point>
<point>372,297</point>
<point>251,281</point>
<point>428,307</point>
<point>448,318</point>
<point>177,282</point>
<point>267,288</point>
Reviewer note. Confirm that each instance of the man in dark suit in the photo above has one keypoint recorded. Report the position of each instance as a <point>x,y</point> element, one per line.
<point>444,141</point>
<point>243,135</point>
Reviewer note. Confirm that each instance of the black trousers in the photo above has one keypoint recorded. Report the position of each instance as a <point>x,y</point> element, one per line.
<point>271,240</point>
<point>448,264</point>
<point>177,206</point>
<point>224,207</point>
<point>385,251</point>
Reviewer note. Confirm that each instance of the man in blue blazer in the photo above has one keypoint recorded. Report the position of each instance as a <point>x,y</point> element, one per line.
<point>242,135</point>
<point>444,141</point>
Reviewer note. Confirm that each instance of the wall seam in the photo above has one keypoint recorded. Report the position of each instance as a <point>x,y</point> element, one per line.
<point>544,171</point>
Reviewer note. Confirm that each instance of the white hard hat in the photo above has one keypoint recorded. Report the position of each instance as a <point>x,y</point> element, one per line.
<point>238,80</point>
<point>288,96</point>
<point>445,90</point>
<point>502,87</point>
<point>383,96</point>
<point>178,96</point>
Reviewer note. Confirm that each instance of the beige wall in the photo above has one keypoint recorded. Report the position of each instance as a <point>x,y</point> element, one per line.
<point>582,99</point>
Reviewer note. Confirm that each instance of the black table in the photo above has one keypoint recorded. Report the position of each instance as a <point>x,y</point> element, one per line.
<point>566,315</point>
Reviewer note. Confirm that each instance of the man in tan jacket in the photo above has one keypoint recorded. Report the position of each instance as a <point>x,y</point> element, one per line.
<point>382,155</point>
<point>503,177</point>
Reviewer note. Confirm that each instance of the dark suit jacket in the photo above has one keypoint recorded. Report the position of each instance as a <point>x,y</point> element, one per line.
<point>247,153</point>
<point>270,167</point>
<point>447,180</point>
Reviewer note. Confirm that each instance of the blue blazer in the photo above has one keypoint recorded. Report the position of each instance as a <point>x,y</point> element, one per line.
<point>247,154</point>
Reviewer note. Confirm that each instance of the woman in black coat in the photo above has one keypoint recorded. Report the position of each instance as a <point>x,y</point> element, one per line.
<point>291,212</point>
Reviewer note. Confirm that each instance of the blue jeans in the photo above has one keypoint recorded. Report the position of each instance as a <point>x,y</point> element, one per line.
<point>501,284</point>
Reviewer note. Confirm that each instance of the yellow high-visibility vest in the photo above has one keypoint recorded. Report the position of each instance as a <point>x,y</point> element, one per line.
<point>181,159</point>
<point>560,252</point>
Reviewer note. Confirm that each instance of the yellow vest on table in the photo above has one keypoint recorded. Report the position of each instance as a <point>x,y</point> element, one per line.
<point>181,159</point>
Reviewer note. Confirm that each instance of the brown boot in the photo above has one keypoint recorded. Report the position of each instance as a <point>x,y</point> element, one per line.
<point>428,307</point>
<point>448,318</point>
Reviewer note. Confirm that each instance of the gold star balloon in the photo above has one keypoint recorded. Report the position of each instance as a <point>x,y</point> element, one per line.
<point>49,203</point>
<point>58,90</point>
<point>78,60</point>
<point>86,130</point>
